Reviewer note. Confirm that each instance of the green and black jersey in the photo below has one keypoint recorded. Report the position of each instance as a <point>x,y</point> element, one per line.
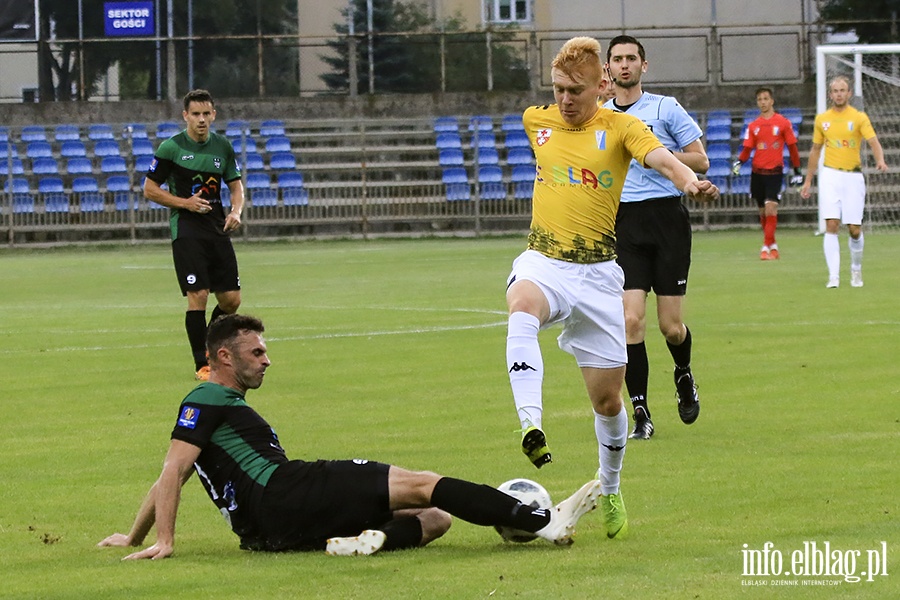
<point>239,451</point>
<point>188,167</point>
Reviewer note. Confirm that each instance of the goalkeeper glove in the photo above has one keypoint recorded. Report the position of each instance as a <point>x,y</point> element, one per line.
<point>736,167</point>
<point>797,178</point>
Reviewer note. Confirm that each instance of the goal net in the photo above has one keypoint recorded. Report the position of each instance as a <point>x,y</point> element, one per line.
<point>874,73</point>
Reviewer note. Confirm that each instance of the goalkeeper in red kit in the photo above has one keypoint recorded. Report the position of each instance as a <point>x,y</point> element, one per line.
<point>767,136</point>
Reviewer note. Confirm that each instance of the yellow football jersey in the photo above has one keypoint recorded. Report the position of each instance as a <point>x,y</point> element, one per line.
<point>841,134</point>
<point>580,174</point>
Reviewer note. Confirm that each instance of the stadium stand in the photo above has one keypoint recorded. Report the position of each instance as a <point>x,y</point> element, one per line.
<point>520,156</point>
<point>72,148</point>
<point>33,133</point>
<point>446,125</point>
<point>278,143</point>
<point>100,131</point>
<point>490,180</point>
<point>254,162</point>
<point>718,133</point>
<point>166,129</point>
<point>137,131</point>
<point>142,164</point>
<point>517,139</point>
<point>244,143</point>
<point>290,179</point>
<point>141,147</point>
<point>39,149</point>
<point>509,123</point>
<point>271,127</point>
<point>282,161</point>
<point>448,140</point>
<point>235,129</point>
<point>263,197</point>
<point>17,167</point>
<point>456,184</point>
<point>45,166</point>
<point>66,133</point>
<point>451,157</point>
<point>481,123</point>
<point>483,139</point>
<point>120,188</point>
<point>488,156</point>
<point>718,151</point>
<point>113,164</point>
<point>257,181</point>
<point>523,182</point>
<point>105,147</point>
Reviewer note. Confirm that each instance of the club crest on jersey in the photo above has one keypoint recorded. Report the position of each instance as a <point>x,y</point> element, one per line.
<point>601,140</point>
<point>825,126</point>
<point>188,417</point>
<point>542,136</point>
<point>850,125</point>
<point>775,130</point>
<point>217,162</point>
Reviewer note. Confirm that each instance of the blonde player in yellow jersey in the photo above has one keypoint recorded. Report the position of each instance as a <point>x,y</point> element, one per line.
<point>842,188</point>
<point>569,274</point>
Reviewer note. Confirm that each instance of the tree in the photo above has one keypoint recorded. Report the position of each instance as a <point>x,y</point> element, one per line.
<point>409,61</point>
<point>873,21</point>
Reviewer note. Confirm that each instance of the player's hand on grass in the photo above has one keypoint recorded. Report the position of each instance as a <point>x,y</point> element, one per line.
<point>157,550</point>
<point>702,191</point>
<point>117,540</point>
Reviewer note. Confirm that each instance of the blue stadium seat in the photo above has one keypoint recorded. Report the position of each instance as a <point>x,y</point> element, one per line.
<point>105,147</point>
<point>50,185</point>
<point>278,143</point>
<point>142,163</point>
<point>510,123</point>
<point>34,133</point>
<point>45,166</point>
<point>455,175</point>
<point>256,181</point>
<point>23,203</point>
<point>488,156</point>
<point>517,139</point>
<point>264,197</point>
<point>235,129</point>
<point>295,196</point>
<point>456,184</point>
<point>19,186</point>
<point>113,164</point>
<point>490,179</point>
<point>241,143</point>
<point>750,115</point>
<point>272,127</point>
<point>100,131</point>
<point>254,162</point>
<point>90,202</point>
<point>72,148</point>
<point>520,156</point>
<point>740,184</point>
<point>794,115</point>
<point>290,179</point>
<point>39,149</point>
<point>137,131</point>
<point>166,129</point>
<point>450,157</point>
<point>718,133</point>
<point>85,184</point>
<point>67,133</point>
<point>8,148</point>
<point>225,196</point>
<point>718,167</point>
<point>17,167</point>
<point>118,183</point>
<point>446,125</point>
<point>141,147</point>
<point>718,117</point>
<point>448,140</point>
<point>481,123</point>
<point>718,151</point>
<point>4,134</point>
<point>483,139</point>
<point>720,182</point>
<point>282,161</point>
<point>523,181</point>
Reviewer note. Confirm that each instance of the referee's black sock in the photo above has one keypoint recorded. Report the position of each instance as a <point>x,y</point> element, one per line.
<point>402,533</point>
<point>681,353</point>
<point>195,324</point>
<point>483,505</point>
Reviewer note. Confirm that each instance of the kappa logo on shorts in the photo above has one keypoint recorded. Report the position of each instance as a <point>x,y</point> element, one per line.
<point>188,417</point>
<point>360,461</point>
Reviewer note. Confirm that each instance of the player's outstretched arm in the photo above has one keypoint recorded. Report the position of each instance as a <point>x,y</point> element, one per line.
<point>160,506</point>
<point>678,173</point>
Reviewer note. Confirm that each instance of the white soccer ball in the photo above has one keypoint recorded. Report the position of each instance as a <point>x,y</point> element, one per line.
<point>527,492</point>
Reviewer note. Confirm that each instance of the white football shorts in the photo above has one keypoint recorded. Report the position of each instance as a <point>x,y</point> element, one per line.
<point>586,299</point>
<point>842,195</point>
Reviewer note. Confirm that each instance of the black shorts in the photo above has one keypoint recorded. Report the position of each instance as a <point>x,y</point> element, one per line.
<point>765,187</point>
<point>205,264</point>
<point>653,244</point>
<point>305,503</point>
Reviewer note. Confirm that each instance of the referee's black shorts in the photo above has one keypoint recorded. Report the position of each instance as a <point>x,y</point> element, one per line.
<point>305,503</point>
<point>764,186</point>
<point>653,244</point>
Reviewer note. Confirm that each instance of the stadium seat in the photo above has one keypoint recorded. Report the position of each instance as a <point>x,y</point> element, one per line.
<point>510,123</point>
<point>100,131</point>
<point>113,164</point>
<point>750,115</point>
<point>718,151</point>
<point>141,147</point>
<point>746,168</point>
<point>33,133</point>
<point>106,147</point>
<point>118,183</point>
<point>446,125</point>
<point>296,196</point>
<point>282,161</point>
<point>455,175</point>
<point>8,148</point>
<point>718,133</point>
<point>491,186</point>
<point>225,196</point>
<point>718,167</point>
<point>45,166</point>
<point>718,117</point>
<point>488,156</point>
<point>483,139</point>
<point>481,123</point>
<point>456,184</point>
<point>448,140</point>
<point>257,181</point>
<point>520,156</point>
<point>254,162</point>
<point>290,179</point>
<point>4,134</point>
<point>66,133</point>
<point>90,202</point>
<point>142,163</point>
<point>240,144</point>
<point>38,150</point>
<point>740,184</point>
<point>85,184</point>
<point>517,139</point>
<point>235,129</point>
<point>278,143</point>
<point>523,182</point>
<point>165,130</point>
<point>23,203</point>
<point>137,131</point>
<point>450,157</point>
<point>17,167</point>
<point>72,148</point>
<point>794,115</point>
<point>19,186</point>
<point>264,197</point>
<point>271,128</point>
<point>720,182</point>
<point>50,185</point>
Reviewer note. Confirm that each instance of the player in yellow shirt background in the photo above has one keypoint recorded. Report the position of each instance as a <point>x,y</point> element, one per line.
<point>568,274</point>
<point>842,187</point>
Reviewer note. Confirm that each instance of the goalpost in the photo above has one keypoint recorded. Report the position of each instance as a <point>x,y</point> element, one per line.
<point>874,72</point>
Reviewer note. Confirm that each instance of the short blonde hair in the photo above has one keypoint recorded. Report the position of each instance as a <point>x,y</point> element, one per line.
<point>582,54</point>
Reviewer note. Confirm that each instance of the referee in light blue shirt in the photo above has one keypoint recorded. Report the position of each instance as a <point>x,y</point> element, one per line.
<point>653,234</point>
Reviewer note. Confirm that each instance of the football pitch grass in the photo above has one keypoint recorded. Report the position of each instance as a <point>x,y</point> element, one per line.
<point>395,351</point>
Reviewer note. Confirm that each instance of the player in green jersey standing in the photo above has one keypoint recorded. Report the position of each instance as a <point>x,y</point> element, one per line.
<point>193,165</point>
